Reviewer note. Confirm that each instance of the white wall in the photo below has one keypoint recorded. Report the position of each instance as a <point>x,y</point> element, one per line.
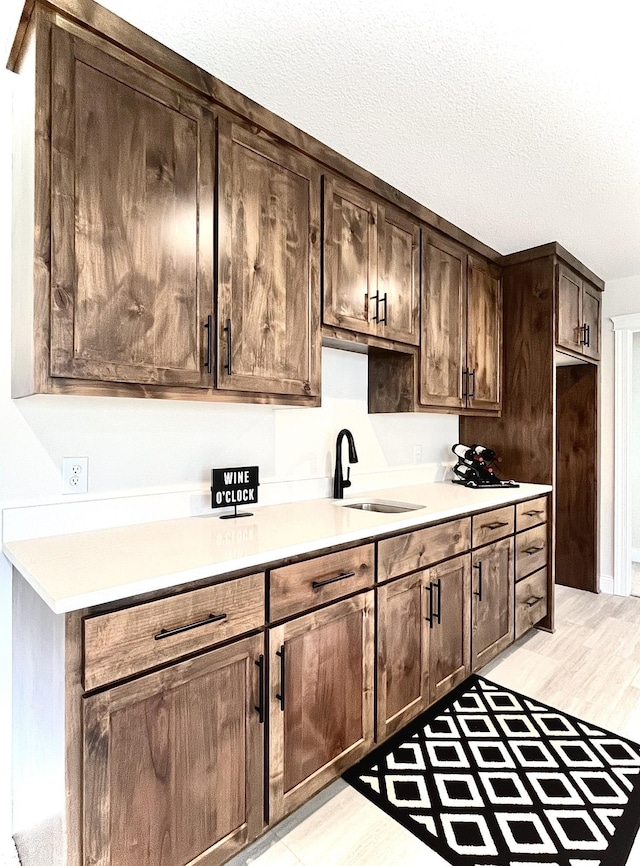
<point>635,454</point>
<point>621,297</point>
<point>148,445</point>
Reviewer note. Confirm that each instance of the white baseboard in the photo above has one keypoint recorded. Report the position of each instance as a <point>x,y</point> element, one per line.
<point>635,554</point>
<point>606,584</point>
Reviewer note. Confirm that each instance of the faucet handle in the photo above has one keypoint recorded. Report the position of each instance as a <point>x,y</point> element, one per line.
<point>347,482</point>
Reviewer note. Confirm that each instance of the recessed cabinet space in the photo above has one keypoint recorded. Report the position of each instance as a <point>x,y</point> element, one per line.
<point>461,346</point>
<point>320,699</point>
<point>371,264</point>
<point>173,762</point>
<point>577,314</point>
<point>268,328</point>
<point>132,221</point>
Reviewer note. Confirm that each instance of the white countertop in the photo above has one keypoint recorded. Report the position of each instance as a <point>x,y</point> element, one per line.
<point>88,568</point>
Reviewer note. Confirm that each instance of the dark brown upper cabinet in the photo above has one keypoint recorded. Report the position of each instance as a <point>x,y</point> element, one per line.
<point>461,346</point>
<point>132,222</point>
<point>371,264</point>
<point>268,318</point>
<point>577,314</point>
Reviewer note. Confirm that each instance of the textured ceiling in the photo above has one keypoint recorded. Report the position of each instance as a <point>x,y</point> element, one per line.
<point>520,123</point>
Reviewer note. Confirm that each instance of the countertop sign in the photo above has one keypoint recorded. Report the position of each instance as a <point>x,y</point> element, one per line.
<point>234,486</point>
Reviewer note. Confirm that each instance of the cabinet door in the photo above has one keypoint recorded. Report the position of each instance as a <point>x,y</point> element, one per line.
<point>350,257</point>
<point>321,699</point>
<point>173,763</point>
<point>449,586</point>
<point>591,317</point>
<point>484,336</point>
<point>403,653</point>
<point>569,333</point>
<point>269,257</point>
<point>444,323</point>
<point>492,601</point>
<point>398,301</point>
<point>132,174</point>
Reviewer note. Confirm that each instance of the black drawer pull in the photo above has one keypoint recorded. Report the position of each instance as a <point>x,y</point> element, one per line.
<point>376,298</point>
<point>227,330</point>
<point>317,584</point>
<point>383,320</point>
<point>533,513</point>
<point>496,525</point>
<point>280,697</point>
<point>438,613</point>
<point>465,383</point>
<point>533,600</point>
<point>208,360</point>
<point>472,375</point>
<point>213,617</point>
<point>260,708</point>
<point>531,550</point>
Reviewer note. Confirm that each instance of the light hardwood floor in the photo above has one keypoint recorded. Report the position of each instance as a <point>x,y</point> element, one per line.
<point>590,668</point>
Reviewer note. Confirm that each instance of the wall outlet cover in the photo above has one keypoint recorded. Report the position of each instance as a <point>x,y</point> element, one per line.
<point>75,474</point>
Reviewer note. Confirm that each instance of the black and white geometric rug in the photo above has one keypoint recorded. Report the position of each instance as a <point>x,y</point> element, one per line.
<point>489,776</point>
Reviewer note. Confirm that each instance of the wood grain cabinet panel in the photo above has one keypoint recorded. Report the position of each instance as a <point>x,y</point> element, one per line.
<point>419,549</point>
<point>449,590</point>
<point>321,699</point>
<point>350,256</point>
<point>532,550</point>
<point>398,293</point>
<point>371,265</point>
<point>531,601</point>
<point>269,266</point>
<point>304,585</point>
<point>131,640</point>
<point>531,513</point>
<point>132,222</point>
<point>492,601</point>
<point>484,336</point>
<point>578,314</point>
<point>403,652</point>
<point>443,350</point>
<point>492,525</point>
<point>173,763</point>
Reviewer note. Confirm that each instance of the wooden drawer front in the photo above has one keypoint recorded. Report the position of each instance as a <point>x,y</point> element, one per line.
<point>531,550</point>
<point>531,513</point>
<point>531,601</point>
<point>305,585</point>
<point>125,642</point>
<point>492,525</point>
<point>421,548</point>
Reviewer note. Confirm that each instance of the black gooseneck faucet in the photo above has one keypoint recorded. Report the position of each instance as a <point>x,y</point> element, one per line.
<point>339,483</point>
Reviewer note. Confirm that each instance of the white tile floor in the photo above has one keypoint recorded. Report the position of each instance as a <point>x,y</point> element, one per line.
<point>590,667</point>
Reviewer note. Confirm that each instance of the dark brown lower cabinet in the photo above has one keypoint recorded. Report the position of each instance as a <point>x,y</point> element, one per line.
<point>173,763</point>
<point>449,625</point>
<point>321,699</point>
<point>491,601</point>
<point>403,652</point>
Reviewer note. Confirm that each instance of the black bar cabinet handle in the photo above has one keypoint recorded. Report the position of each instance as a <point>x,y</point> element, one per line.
<point>227,330</point>
<point>479,592</point>
<point>383,320</point>
<point>533,600</point>
<point>495,525</point>
<point>260,708</point>
<point>208,361</point>
<point>213,617</point>
<point>376,298</point>
<point>533,513</point>
<point>280,697</point>
<point>439,611</point>
<point>583,333</point>
<point>465,382</point>
<point>319,583</point>
<point>472,375</point>
<point>531,550</point>
<point>429,618</point>
<point>588,334</point>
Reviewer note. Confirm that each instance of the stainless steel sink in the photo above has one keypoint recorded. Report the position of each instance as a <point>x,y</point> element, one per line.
<point>379,505</point>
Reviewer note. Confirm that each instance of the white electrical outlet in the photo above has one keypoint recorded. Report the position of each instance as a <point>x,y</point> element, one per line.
<point>75,474</point>
<point>417,453</point>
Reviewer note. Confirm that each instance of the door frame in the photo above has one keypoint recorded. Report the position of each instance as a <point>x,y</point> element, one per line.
<point>624,328</point>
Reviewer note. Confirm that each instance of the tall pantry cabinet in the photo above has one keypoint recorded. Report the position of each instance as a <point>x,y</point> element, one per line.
<point>548,431</point>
